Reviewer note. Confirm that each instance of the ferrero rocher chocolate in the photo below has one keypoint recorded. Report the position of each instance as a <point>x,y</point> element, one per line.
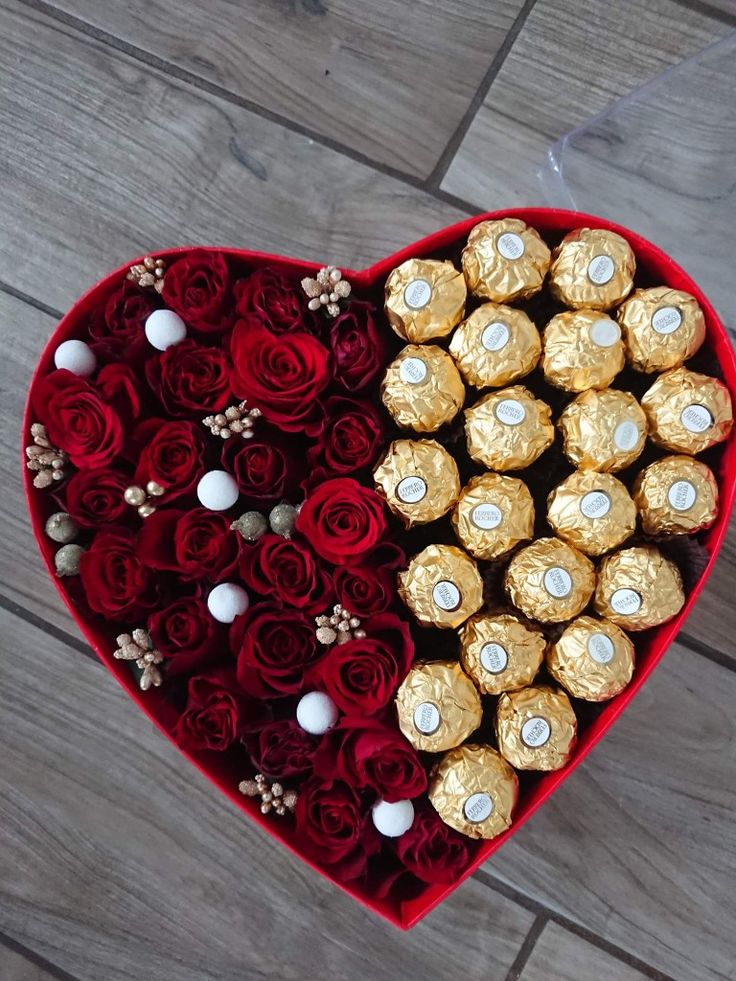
<point>676,495</point>
<point>593,659</point>
<point>505,260</point>
<point>687,411</point>
<point>603,430</point>
<point>582,349</point>
<point>438,706</point>
<point>495,345</point>
<point>442,586</point>
<point>508,429</point>
<point>550,580</point>
<point>662,328</point>
<point>474,790</point>
<point>500,653</point>
<point>592,267</point>
<point>592,511</point>
<point>638,588</point>
<point>424,298</point>
<point>536,728</point>
<point>493,514</point>
<point>419,480</point>
<point>422,388</point>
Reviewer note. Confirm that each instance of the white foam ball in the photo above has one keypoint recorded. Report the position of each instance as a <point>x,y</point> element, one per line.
<point>227,601</point>
<point>316,713</point>
<point>217,490</point>
<point>75,356</point>
<point>164,328</point>
<point>392,820</point>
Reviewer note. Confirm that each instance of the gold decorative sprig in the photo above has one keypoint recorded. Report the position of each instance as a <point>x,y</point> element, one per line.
<point>45,460</point>
<point>148,274</point>
<point>339,627</point>
<point>273,796</point>
<point>138,647</point>
<point>235,420</point>
<point>326,290</point>
<point>140,498</point>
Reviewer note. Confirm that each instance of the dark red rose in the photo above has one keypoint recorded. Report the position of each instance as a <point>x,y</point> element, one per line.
<point>267,467</point>
<point>197,287</point>
<point>77,419</point>
<point>283,376</point>
<point>282,749</point>
<point>217,713</point>
<point>119,388</point>
<point>342,520</point>
<point>116,328</point>
<point>288,571</point>
<point>186,634</point>
<point>351,439</point>
<point>276,648</point>
<point>94,497</point>
<point>358,346</point>
<point>171,453</point>
<point>190,378</point>
<point>431,850</point>
<point>269,298</point>
<point>196,544</point>
<point>333,829</point>
<point>116,582</point>
<point>362,675</point>
<point>365,589</point>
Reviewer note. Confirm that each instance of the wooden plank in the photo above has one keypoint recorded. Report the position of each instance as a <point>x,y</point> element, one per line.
<point>559,955</point>
<point>639,846</point>
<point>119,861</point>
<point>17,968</point>
<point>106,158</point>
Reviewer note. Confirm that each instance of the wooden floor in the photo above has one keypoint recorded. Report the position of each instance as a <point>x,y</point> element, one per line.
<point>333,130</point>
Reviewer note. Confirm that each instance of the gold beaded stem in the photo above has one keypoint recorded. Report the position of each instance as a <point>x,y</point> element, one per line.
<point>139,498</point>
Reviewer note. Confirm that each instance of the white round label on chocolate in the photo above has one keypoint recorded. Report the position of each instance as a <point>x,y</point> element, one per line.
<point>411,490</point>
<point>510,412</point>
<point>494,658</point>
<point>696,418</point>
<point>601,269</point>
<point>427,718</point>
<point>486,516</point>
<point>626,435</point>
<point>510,245</point>
<point>625,601</point>
<point>446,595</point>
<point>558,582</point>
<point>595,504</point>
<point>682,495</point>
<point>412,371</point>
<point>495,336</point>
<point>605,332</point>
<point>477,808</point>
<point>535,732</point>
<point>417,294</point>
<point>600,647</point>
<point>666,320</point>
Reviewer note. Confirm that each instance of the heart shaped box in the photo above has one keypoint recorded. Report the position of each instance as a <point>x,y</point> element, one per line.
<point>657,267</point>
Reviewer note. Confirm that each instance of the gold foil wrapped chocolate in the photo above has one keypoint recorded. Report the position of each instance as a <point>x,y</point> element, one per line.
<point>437,706</point>
<point>422,388</point>
<point>508,429</point>
<point>592,267</point>
<point>550,580</point>
<point>424,298</point>
<point>419,480</point>
<point>500,652</point>
<point>603,430</point>
<point>493,514</point>
<point>495,345</point>
<point>676,495</point>
<point>582,349</point>
<point>593,659</point>
<point>474,790</point>
<point>592,511</point>
<point>662,328</point>
<point>442,586</point>
<point>638,588</point>
<point>505,260</point>
<point>687,411</point>
<point>536,728</point>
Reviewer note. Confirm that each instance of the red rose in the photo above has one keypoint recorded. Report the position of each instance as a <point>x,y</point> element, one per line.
<point>77,419</point>
<point>196,544</point>
<point>358,347</point>
<point>171,453</point>
<point>351,439</point>
<point>269,298</point>
<point>282,749</point>
<point>116,328</point>
<point>287,570</point>
<point>216,713</point>
<point>274,649</point>
<point>283,376</point>
<point>186,634</point>
<point>116,581</point>
<point>365,589</point>
<point>266,468</point>
<point>119,388</point>
<point>362,675</point>
<point>332,828</point>
<point>94,497</point>
<point>342,520</point>
<point>190,378</point>
<point>431,850</point>
<point>197,287</point>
